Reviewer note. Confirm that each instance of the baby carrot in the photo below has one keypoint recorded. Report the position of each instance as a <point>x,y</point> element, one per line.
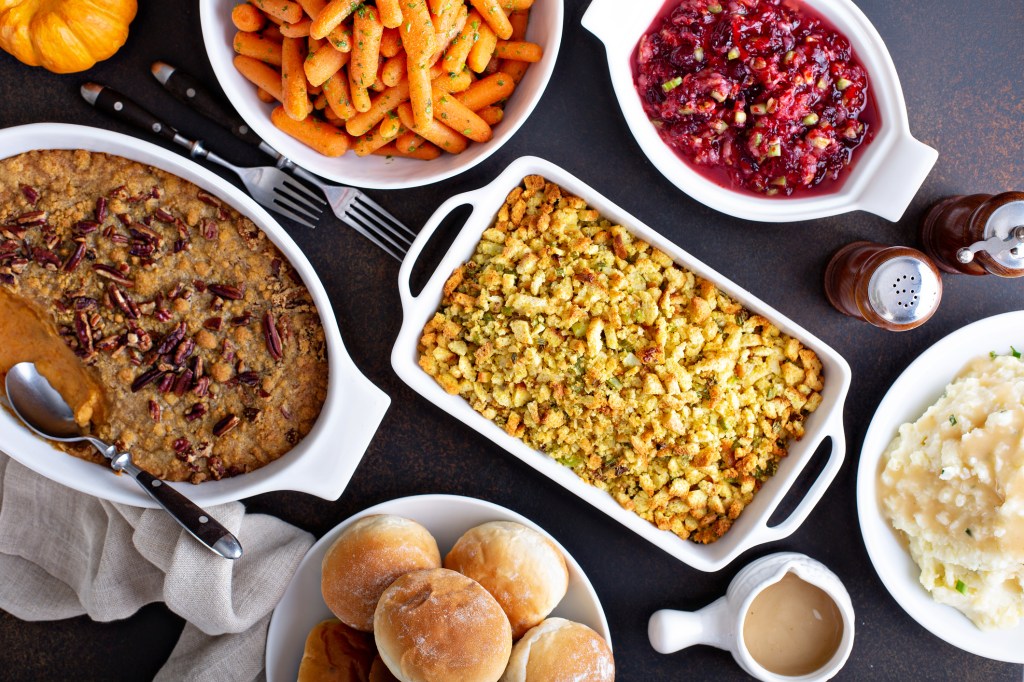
<point>495,17</point>
<point>417,31</point>
<point>459,117</point>
<point>297,30</point>
<point>323,64</point>
<point>391,127</point>
<point>333,13</point>
<point>434,131</point>
<point>264,96</point>
<point>520,51</point>
<point>283,10</point>
<point>338,99</point>
<point>394,70</point>
<point>341,37</point>
<point>367,31</point>
<point>255,45</point>
<point>261,75</point>
<point>312,8</point>
<point>247,18</point>
<point>408,141</point>
<point>483,49</point>
<point>293,78</point>
<point>360,95</point>
<point>487,91</point>
<point>459,49</point>
<point>387,101</point>
<point>390,42</point>
<point>420,93</point>
<point>390,12</point>
<point>515,5</point>
<point>425,152</point>
<point>321,136</point>
<point>492,115</point>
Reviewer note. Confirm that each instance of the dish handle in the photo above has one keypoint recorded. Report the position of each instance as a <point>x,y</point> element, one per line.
<point>611,20</point>
<point>835,432</point>
<point>895,183</point>
<point>409,262</point>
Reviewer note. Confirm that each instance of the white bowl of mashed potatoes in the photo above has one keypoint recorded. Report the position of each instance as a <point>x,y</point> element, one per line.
<point>941,488</point>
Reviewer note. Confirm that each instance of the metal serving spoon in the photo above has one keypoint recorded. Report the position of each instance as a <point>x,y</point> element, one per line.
<point>46,412</point>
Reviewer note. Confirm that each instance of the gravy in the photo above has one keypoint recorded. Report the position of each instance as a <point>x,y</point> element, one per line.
<point>792,627</point>
<point>26,336</point>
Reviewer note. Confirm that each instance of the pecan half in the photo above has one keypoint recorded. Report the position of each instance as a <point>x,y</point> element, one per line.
<point>195,412</point>
<point>31,218</point>
<point>113,274</point>
<point>212,323</point>
<point>226,291</point>
<point>146,378</point>
<point>101,209</point>
<point>84,331</point>
<point>154,410</point>
<point>272,337</point>
<point>123,301</point>
<point>183,383</point>
<point>226,424</point>
<point>75,258</point>
<point>31,194</point>
<point>172,339</point>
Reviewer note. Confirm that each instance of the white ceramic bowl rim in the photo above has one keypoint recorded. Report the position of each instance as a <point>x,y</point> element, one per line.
<point>919,386</point>
<point>378,172</point>
<point>350,415</point>
<point>751,528</point>
<point>885,175</point>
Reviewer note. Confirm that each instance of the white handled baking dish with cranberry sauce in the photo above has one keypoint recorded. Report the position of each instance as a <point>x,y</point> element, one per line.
<point>766,110</point>
<point>752,527</point>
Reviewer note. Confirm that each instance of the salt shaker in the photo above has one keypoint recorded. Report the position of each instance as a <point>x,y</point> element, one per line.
<point>892,287</point>
<point>977,234</point>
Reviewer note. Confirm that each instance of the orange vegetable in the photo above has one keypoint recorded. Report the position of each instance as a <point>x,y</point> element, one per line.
<point>390,12</point>
<point>323,137</point>
<point>483,49</point>
<point>492,115</point>
<point>487,91</point>
<point>417,31</point>
<point>390,42</point>
<point>455,56</point>
<point>247,18</point>
<point>438,133</point>
<point>255,45</point>
<point>264,96</point>
<point>283,10</point>
<point>367,31</point>
<point>64,36</point>
<point>520,51</point>
<point>394,70</point>
<point>387,101</point>
<point>335,12</point>
<point>495,17</point>
<point>323,64</point>
<point>297,30</point>
<point>425,152</point>
<point>293,78</point>
<point>459,117</point>
<point>338,98</point>
<point>341,38</point>
<point>261,75</point>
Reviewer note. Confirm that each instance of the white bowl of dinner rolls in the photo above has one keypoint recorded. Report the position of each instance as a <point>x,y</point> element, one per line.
<point>432,623</point>
<point>383,170</point>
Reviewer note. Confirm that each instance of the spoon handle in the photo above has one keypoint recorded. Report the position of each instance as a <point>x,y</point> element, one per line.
<point>187,513</point>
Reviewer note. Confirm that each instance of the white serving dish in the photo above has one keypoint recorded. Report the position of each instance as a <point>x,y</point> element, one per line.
<point>918,387</point>
<point>378,172</point>
<point>751,528</point>
<point>447,517</point>
<point>886,173</point>
<point>321,464</point>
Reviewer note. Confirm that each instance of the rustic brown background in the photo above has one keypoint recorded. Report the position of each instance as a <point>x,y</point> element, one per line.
<point>960,64</point>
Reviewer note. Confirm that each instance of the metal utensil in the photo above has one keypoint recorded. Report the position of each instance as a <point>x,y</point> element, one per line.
<point>269,186</point>
<point>353,207</point>
<point>46,412</point>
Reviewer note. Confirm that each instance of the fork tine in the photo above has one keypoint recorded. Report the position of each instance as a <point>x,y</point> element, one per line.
<point>294,185</point>
<point>382,226</point>
<point>291,213</point>
<point>384,214</point>
<point>298,201</point>
<point>369,235</point>
<point>364,226</point>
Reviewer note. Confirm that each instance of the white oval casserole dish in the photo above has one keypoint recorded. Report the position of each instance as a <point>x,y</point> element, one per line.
<point>321,464</point>
<point>751,528</point>
<point>378,172</point>
<point>886,172</point>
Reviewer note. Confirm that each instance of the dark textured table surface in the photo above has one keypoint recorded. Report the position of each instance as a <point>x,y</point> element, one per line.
<point>960,66</point>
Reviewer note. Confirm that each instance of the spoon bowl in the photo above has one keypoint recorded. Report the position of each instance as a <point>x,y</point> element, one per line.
<point>43,409</point>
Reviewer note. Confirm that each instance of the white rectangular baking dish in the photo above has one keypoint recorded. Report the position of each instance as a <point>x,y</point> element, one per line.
<point>321,464</point>
<point>752,526</point>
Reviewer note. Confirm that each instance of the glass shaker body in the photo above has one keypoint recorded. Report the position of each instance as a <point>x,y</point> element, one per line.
<point>955,224</point>
<point>892,287</point>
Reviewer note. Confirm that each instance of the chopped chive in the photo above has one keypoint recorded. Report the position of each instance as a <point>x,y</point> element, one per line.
<point>992,354</point>
<point>969,533</point>
<point>810,119</point>
<point>1014,352</point>
<point>670,85</point>
<point>961,587</point>
<point>952,420</point>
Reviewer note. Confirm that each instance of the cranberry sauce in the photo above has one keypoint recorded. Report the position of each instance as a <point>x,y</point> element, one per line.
<point>759,94</point>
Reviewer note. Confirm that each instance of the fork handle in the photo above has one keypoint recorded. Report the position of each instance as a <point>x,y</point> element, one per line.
<point>111,102</point>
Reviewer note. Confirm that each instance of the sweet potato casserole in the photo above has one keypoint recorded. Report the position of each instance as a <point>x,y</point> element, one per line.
<point>595,348</point>
<point>206,343</point>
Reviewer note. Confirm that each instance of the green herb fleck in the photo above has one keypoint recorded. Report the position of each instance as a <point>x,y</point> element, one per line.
<point>670,85</point>
<point>1014,352</point>
<point>961,587</point>
<point>952,420</point>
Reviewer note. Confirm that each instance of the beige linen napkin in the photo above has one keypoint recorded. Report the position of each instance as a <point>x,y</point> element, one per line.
<point>64,554</point>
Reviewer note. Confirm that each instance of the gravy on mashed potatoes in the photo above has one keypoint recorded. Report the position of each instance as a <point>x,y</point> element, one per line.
<point>953,483</point>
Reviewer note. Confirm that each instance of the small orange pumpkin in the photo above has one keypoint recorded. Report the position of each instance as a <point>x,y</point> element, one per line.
<point>64,36</point>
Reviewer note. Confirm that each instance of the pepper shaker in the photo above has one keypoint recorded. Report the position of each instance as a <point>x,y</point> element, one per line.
<point>892,287</point>
<point>977,234</point>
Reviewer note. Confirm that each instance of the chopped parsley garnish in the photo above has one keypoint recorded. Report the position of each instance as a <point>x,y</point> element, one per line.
<point>961,587</point>
<point>1014,352</point>
<point>952,420</point>
<point>969,533</point>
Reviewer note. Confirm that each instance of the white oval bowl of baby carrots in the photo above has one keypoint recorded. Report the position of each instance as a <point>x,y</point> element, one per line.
<point>384,94</point>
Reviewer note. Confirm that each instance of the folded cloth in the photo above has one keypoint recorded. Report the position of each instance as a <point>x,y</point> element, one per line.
<point>64,554</point>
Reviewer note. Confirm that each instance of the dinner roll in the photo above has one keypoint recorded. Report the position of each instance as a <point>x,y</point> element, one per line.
<point>336,653</point>
<point>521,568</point>
<point>440,626</point>
<point>560,650</point>
<point>366,558</point>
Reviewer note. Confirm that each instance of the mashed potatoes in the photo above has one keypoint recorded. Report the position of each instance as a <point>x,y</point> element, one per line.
<point>953,482</point>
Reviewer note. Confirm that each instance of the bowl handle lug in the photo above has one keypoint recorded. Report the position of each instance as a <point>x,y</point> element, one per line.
<point>409,262</point>
<point>603,18</point>
<point>890,190</point>
<point>670,631</point>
